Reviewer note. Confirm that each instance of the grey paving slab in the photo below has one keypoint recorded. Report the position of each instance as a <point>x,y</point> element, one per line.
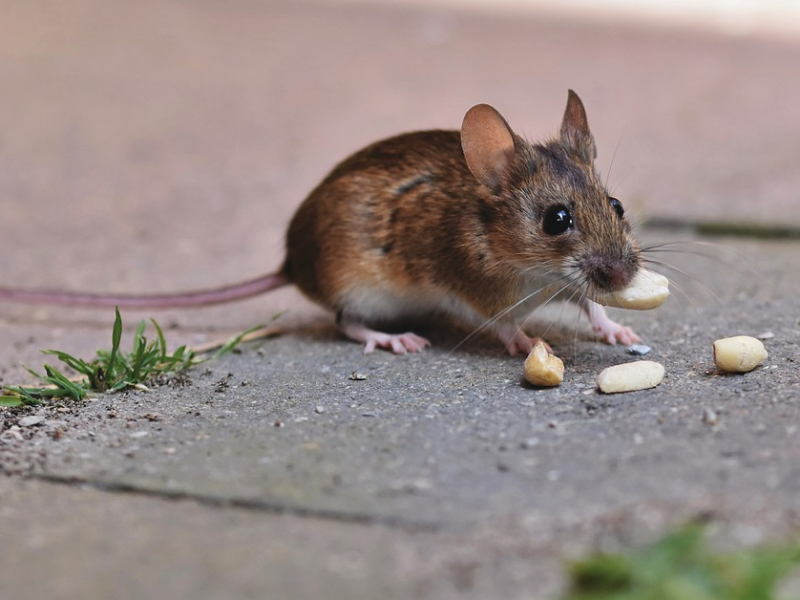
<point>67,543</point>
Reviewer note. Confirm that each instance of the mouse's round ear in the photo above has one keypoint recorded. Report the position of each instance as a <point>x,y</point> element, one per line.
<point>575,134</point>
<point>488,144</point>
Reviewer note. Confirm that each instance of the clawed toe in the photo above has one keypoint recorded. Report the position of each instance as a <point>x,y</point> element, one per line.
<point>617,333</point>
<point>401,343</point>
<point>607,330</point>
<point>517,341</point>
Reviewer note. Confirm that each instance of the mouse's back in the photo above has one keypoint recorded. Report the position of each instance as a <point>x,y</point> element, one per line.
<point>381,222</point>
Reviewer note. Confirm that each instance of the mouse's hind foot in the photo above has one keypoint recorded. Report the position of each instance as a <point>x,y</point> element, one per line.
<point>399,343</point>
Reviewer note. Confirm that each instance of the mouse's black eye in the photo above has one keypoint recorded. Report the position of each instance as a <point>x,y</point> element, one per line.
<point>556,220</point>
<point>617,206</point>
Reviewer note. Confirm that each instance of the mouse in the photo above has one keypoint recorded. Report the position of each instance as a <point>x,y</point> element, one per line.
<point>479,226</point>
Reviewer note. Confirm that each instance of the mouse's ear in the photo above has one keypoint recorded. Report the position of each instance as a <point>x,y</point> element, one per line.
<point>575,134</point>
<point>488,144</point>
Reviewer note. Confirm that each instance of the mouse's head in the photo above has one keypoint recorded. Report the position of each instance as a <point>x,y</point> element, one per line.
<point>551,214</point>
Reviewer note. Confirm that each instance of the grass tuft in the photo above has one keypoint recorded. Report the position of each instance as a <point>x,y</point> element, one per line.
<point>681,567</point>
<point>113,370</point>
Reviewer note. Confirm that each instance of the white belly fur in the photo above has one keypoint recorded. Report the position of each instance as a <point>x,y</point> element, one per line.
<point>380,304</point>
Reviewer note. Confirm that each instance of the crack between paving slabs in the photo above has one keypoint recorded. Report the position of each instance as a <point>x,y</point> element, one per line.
<point>251,504</point>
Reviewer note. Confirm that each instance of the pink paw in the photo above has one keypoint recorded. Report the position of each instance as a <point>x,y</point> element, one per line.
<point>609,331</point>
<point>518,342</point>
<point>612,332</point>
<point>398,343</point>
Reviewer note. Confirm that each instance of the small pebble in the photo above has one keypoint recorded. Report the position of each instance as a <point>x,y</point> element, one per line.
<point>357,376</point>
<point>319,410</point>
<point>139,434</point>
<point>14,433</point>
<point>638,349</point>
<point>767,335</point>
<point>710,417</point>
<point>31,421</point>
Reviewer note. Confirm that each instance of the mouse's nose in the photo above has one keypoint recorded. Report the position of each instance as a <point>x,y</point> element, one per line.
<point>609,273</point>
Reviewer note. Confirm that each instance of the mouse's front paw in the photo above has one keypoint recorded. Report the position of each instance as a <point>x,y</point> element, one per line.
<point>517,341</point>
<point>612,333</point>
<point>607,330</point>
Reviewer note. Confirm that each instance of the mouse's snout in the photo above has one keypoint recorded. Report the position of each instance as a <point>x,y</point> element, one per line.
<point>609,273</point>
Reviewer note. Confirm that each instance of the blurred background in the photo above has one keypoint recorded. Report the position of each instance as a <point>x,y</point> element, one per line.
<point>733,16</point>
<point>163,145</point>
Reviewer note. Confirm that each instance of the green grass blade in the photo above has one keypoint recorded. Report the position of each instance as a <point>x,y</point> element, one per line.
<point>120,385</point>
<point>25,395</point>
<point>681,567</point>
<point>136,359</point>
<point>145,365</point>
<point>116,337</point>
<point>11,401</point>
<point>76,364</point>
<point>232,343</point>
<point>185,357</point>
<point>162,342</point>
<point>57,379</point>
<point>34,373</point>
<point>139,331</point>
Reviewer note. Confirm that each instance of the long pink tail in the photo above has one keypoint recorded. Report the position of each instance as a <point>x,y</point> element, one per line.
<point>228,293</point>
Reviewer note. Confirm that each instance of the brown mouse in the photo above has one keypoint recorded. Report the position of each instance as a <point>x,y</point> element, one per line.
<point>479,226</point>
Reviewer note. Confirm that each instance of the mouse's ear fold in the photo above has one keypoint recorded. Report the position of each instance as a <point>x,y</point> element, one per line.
<point>575,134</point>
<point>488,144</point>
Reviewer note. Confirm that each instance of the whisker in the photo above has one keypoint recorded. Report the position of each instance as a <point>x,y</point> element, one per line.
<point>584,298</point>
<point>739,266</point>
<point>545,303</point>
<point>680,289</point>
<point>544,274</point>
<point>680,246</point>
<point>491,321</point>
<point>610,166</point>
<point>689,242</point>
<point>664,265</point>
<point>570,281</point>
<point>686,296</point>
<point>560,314</point>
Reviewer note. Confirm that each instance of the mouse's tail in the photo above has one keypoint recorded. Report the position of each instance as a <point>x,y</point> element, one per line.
<point>220,295</point>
